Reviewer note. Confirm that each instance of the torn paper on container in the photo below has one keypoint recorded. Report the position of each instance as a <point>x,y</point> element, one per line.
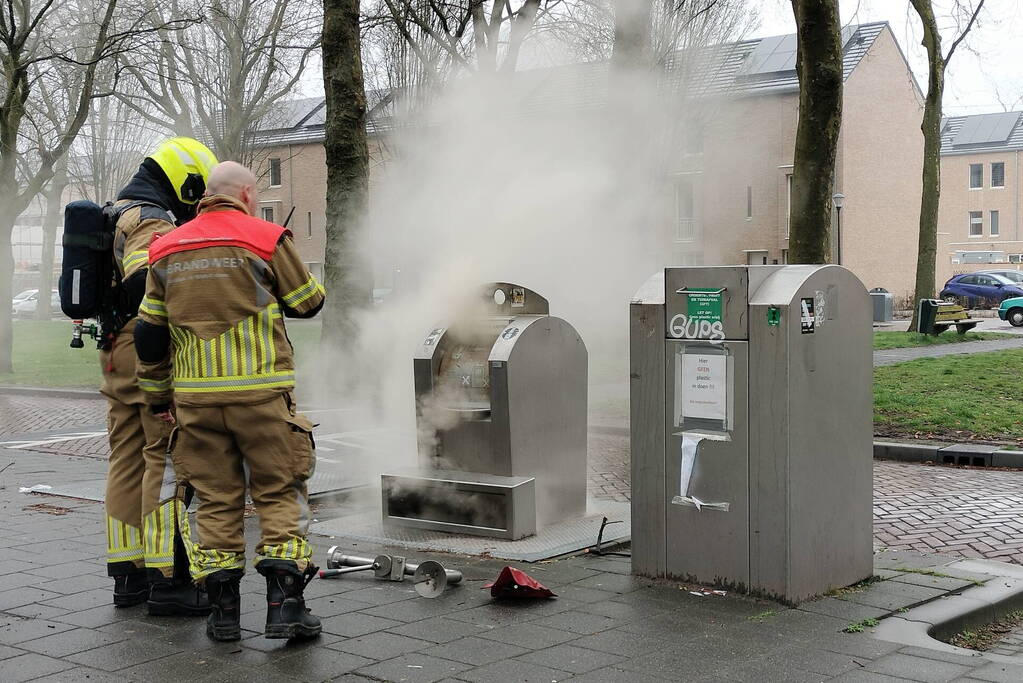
<point>690,448</point>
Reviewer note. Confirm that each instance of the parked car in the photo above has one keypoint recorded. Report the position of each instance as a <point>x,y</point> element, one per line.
<point>26,308</point>
<point>980,289</point>
<point>1014,275</point>
<point>1011,310</point>
<point>21,296</point>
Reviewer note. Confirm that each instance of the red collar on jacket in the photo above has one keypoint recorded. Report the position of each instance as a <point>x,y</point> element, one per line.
<point>221,223</point>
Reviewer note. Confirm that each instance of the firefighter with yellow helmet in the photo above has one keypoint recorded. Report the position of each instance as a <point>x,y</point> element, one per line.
<point>145,555</point>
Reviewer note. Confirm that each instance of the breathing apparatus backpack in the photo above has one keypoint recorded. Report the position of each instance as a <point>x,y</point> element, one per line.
<point>90,285</point>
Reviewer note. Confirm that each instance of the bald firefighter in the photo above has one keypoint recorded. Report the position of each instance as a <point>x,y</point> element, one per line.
<point>144,553</point>
<point>212,319</point>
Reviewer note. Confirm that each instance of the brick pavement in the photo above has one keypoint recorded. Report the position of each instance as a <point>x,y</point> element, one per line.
<point>966,512</point>
<point>22,414</point>
<point>57,623</point>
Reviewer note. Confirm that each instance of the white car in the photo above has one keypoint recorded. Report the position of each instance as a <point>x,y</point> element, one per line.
<point>26,307</point>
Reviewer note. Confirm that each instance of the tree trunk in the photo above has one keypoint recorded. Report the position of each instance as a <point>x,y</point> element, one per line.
<point>632,33</point>
<point>347,276</point>
<point>927,249</point>
<point>51,221</point>
<point>6,293</point>
<point>819,66</point>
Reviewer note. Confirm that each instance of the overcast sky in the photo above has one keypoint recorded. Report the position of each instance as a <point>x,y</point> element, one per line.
<point>991,68</point>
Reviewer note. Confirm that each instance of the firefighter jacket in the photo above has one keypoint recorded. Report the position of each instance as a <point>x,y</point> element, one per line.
<point>219,286</point>
<point>136,228</point>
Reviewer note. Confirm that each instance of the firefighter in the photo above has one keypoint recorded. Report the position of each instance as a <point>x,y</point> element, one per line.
<point>212,322</point>
<point>144,554</point>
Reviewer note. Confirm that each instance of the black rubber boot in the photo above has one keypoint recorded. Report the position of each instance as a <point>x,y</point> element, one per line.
<point>175,597</point>
<point>131,587</point>
<point>224,590</point>
<point>286,613</point>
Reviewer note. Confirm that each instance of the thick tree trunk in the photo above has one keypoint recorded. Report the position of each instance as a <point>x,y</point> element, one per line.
<point>6,286</point>
<point>819,66</point>
<point>927,249</point>
<point>51,221</point>
<point>347,276</point>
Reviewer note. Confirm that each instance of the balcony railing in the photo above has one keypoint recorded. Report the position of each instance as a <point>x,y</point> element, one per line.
<point>685,230</point>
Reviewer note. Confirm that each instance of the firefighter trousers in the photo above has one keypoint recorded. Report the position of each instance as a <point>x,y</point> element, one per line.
<point>215,448</point>
<point>142,504</point>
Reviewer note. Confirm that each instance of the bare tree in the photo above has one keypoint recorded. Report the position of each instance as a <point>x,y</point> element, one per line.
<point>36,47</point>
<point>819,67</point>
<point>347,275</point>
<point>965,16</point>
<point>221,79</point>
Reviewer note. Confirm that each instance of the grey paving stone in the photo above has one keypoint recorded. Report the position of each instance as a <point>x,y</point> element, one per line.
<point>971,660</point>
<point>843,609</point>
<point>513,611</point>
<point>608,564</point>
<point>416,610</point>
<point>622,643</point>
<point>614,583</point>
<point>383,593</point>
<point>514,670</point>
<point>69,642</point>
<point>29,666</point>
<point>95,617</point>
<point>83,674</point>
<point>37,611</point>
<point>381,646</point>
<point>560,573</point>
<point>79,584</point>
<point>14,630</point>
<point>10,566</point>
<point>83,600</point>
<point>947,583</point>
<point>25,595</point>
<point>813,660</point>
<point>414,668</point>
<point>475,651</point>
<point>999,673</point>
<point>187,666</point>
<point>530,636</point>
<point>356,624</point>
<point>861,676</point>
<point>581,594</point>
<point>137,628</point>
<point>281,648</point>
<point>124,654</point>
<point>319,664</point>
<point>567,657</point>
<point>330,606</point>
<point>6,652</point>
<point>440,630</point>
<point>615,675</point>
<point>856,644</point>
<point>917,668</point>
<point>619,610</point>
<point>17,580</point>
<point>580,622</point>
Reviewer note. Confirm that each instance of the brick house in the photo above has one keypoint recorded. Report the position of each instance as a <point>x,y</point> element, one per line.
<point>728,192</point>
<point>979,214</point>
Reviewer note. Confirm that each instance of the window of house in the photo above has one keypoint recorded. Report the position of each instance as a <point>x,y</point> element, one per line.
<point>309,223</point>
<point>275,172</point>
<point>994,223</point>
<point>1015,258</point>
<point>749,201</point>
<point>998,174</point>
<point>756,258</point>
<point>268,213</point>
<point>685,225</point>
<point>976,223</point>
<point>976,176</point>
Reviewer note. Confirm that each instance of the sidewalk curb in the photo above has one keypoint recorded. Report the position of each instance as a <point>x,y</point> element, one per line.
<point>948,454</point>
<point>50,393</point>
<point>932,623</point>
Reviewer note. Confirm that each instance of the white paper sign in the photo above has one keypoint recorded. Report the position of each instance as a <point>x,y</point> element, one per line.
<point>704,386</point>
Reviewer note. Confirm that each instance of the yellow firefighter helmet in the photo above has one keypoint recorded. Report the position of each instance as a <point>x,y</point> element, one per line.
<point>187,164</point>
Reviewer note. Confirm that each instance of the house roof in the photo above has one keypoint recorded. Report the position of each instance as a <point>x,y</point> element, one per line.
<point>754,67</point>
<point>982,133</point>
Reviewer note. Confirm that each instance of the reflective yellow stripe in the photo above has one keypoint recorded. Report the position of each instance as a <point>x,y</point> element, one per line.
<point>303,293</point>
<point>124,542</point>
<point>155,386</point>
<point>135,258</point>
<point>153,307</point>
<point>297,549</point>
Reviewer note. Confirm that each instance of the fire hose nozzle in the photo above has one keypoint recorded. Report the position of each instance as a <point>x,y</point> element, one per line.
<point>76,335</point>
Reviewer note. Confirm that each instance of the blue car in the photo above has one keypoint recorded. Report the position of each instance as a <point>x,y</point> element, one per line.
<point>1011,310</point>
<point>980,289</point>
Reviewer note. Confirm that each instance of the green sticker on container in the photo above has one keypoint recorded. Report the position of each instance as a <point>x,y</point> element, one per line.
<point>704,304</point>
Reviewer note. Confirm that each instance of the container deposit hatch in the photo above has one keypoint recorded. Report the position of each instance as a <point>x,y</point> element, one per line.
<point>501,420</point>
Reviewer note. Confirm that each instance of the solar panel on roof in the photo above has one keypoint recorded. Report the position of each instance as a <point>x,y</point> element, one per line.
<point>774,54</point>
<point>985,129</point>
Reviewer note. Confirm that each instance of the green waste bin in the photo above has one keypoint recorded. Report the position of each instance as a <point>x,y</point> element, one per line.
<point>928,313</point>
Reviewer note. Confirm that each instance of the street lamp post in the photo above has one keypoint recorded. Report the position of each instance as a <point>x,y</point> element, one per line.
<point>838,198</point>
